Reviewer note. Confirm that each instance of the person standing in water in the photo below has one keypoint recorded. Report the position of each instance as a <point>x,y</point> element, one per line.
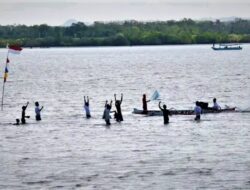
<point>216,106</point>
<point>107,111</point>
<point>165,112</point>
<point>23,113</point>
<point>118,114</point>
<point>86,107</point>
<point>106,103</point>
<point>38,111</point>
<point>197,111</point>
<point>144,104</point>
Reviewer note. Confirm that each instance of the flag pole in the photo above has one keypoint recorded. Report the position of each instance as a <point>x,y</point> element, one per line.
<point>6,64</point>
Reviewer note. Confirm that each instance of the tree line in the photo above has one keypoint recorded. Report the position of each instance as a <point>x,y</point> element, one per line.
<point>127,33</point>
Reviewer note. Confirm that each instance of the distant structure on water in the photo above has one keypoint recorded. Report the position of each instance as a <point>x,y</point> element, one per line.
<point>226,47</point>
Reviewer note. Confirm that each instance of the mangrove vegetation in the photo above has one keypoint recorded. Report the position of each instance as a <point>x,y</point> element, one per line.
<point>127,33</point>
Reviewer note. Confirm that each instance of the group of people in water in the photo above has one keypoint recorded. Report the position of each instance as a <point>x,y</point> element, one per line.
<point>166,113</point>
<point>24,116</point>
<point>107,110</point>
<point>199,106</point>
<point>118,112</point>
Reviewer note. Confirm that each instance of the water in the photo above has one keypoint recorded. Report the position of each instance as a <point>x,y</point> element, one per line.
<point>67,151</point>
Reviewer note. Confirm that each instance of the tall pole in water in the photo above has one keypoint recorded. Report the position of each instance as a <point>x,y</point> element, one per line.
<point>5,77</point>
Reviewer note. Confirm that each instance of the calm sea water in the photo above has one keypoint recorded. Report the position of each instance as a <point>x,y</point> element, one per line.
<point>65,150</point>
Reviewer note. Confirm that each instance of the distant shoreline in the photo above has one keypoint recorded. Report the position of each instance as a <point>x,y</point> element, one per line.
<point>123,46</point>
<point>127,33</point>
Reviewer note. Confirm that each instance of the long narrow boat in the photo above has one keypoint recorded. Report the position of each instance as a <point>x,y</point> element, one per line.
<point>227,47</point>
<point>181,112</point>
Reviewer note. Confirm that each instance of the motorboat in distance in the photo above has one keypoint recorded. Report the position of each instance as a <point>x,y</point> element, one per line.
<point>226,47</point>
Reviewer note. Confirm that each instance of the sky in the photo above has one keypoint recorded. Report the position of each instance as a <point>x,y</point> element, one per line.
<point>57,12</point>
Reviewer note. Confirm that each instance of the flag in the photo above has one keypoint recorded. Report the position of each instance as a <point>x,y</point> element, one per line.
<point>155,96</point>
<point>15,49</point>
<point>6,72</point>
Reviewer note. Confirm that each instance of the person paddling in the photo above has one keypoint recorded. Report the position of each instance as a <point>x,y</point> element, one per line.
<point>165,112</point>
<point>23,113</point>
<point>118,115</point>
<point>216,106</point>
<point>144,104</point>
<point>197,111</point>
<point>38,111</point>
<point>86,107</point>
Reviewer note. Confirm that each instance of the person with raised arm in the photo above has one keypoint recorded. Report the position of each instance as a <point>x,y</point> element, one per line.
<point>118,113</point>
<point>38,111</point>
<point>86,107</point>
<point>107,111</point>
<point>165,112</point>
<point>23,121</point>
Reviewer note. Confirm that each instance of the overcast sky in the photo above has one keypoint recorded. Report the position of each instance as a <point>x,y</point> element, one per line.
<point>56,12</point>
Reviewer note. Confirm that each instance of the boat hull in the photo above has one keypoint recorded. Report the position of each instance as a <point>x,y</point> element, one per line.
<point>230,48</point>
<point>181,112</point>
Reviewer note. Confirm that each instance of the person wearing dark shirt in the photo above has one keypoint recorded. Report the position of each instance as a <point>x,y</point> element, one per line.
<point>23,113</point>
<point>118,114</point>
<point>144,104</point>
<point>17,122</point>
<point>165,112</point>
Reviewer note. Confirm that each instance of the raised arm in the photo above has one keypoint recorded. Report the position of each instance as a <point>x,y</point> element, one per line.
<point>41,108</point>
<point>27,105</point>
<point>84,100</point>
<point>121,97</point>
<point>115,97</point>
<point>87,99</point>
<point>160,105</point>
<point>111,103</point>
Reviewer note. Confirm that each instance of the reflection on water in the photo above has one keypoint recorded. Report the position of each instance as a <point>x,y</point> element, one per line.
<point>65,150</point>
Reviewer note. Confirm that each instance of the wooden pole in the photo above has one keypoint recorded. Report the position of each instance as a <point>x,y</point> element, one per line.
<point>4,80</point>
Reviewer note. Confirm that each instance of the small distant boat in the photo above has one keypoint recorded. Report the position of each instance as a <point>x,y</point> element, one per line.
<point>226,47</point>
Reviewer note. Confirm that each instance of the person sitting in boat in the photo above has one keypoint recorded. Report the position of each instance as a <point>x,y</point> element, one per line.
<point>144,104</point>
<point>118,115</point>
<point>86,107</point>
<point>165,112</point>
<point>197,111</point>
<point>216,106</point>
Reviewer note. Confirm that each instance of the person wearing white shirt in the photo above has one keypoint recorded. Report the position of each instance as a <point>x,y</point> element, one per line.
<point>197,111</point>
<point>38,111</point>
<point>216,106</point>
<point>86,107</point>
